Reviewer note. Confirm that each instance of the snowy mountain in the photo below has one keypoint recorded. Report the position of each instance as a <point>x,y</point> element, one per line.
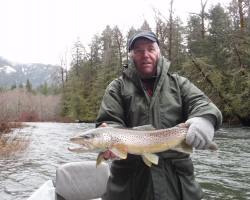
<point>16,73</point>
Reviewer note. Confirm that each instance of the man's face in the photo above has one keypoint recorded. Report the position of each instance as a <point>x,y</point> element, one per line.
<point>145,54</point>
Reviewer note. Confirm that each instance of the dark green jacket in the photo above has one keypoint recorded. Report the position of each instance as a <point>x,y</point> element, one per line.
<point>175,99</point>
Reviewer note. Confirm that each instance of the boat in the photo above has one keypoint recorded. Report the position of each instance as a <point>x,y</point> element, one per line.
<point>75,181</point>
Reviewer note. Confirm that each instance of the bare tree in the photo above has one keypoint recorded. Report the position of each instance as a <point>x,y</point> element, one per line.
<point>202,17</point>
<point>164,30</point>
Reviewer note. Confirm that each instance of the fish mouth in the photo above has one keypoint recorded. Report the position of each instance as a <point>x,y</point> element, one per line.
<point>84,145</point>
<point>79,149</point>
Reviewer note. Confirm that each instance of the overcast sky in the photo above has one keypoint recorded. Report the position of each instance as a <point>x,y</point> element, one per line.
<point>39,30</point>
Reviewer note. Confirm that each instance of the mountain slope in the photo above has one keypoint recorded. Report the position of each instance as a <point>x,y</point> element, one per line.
<point>16,73</point>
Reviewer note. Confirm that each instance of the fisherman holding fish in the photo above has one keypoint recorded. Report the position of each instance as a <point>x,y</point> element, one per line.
<point>147,93</point>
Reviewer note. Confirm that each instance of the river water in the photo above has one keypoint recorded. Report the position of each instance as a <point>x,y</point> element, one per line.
<point>223,175</point>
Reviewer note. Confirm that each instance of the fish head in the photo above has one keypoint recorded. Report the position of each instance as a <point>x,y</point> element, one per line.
<point>91,141</point>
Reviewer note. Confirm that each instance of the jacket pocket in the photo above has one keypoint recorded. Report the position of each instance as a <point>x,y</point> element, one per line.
<point>189,187</point>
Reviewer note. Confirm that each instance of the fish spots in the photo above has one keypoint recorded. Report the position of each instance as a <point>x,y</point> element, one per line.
<point>137,140</point>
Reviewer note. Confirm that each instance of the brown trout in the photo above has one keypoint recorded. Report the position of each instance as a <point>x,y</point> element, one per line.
<point>142,140</point>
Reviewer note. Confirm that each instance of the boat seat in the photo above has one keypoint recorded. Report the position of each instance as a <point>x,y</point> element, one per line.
<point>81,181</point>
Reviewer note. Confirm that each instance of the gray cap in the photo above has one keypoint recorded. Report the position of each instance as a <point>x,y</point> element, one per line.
<point>142,34</point>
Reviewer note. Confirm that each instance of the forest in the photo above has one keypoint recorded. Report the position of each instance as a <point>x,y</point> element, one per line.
<point>211,49</point>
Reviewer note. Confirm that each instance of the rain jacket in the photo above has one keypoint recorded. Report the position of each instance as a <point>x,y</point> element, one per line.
<point>175,99</point>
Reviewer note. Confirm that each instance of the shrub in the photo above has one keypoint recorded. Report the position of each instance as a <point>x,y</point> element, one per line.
<point>11,143</point>
<point>28,116</point>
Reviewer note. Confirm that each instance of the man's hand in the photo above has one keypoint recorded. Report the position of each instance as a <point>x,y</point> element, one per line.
<point>108,154</point>
<point>200,131</point>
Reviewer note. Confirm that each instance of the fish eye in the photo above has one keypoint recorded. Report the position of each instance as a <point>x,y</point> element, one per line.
<point>88,136</point>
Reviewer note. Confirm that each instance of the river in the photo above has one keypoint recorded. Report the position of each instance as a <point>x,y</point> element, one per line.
<point>223,175</point>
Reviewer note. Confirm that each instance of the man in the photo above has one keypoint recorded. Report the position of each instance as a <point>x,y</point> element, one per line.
<point>147,94</point>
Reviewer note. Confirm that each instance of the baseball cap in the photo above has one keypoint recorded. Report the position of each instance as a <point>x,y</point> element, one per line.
<point>142,33</point>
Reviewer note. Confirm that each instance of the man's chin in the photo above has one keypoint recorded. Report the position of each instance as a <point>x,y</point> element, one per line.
<point>147,75</point>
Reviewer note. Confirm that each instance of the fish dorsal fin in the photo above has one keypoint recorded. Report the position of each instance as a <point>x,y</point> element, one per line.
<point>182,125</point>
<point>119,149</point>
<point>148,127</point>
<point>99,159</point>
<point>150,158</point>
<point>183,147</point>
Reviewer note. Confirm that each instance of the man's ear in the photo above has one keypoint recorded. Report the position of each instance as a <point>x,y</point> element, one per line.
<point>130,54</point>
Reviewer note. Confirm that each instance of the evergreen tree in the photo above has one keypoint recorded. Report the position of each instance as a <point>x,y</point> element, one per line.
<point>13,86</point>
<point>28,86</point>
<point>21,85</point>
<point>45,89</point>
<point>77,57</point>
<point>145,26</point>
<point>131,32</point>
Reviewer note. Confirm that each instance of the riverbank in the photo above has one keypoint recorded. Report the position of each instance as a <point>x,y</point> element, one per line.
<point>12,143</point>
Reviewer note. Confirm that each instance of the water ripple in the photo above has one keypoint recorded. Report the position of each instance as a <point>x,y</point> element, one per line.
<point>223,175</point>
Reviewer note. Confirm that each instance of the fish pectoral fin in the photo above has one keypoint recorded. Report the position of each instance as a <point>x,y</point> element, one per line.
<point>119,149</point>
<point>183,147</point>
<point>99,159</point>
<point>150,158</point>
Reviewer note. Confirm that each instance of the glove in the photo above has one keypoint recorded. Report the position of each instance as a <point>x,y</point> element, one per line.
<point>200,131</point>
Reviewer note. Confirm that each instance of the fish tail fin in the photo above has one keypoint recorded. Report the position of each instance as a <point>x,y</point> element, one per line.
<point>213,146</point>
<point>183,147</point>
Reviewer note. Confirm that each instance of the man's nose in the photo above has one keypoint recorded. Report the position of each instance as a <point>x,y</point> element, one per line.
<point>145,53</point>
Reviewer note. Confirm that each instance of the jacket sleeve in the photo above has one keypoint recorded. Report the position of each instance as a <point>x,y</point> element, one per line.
<point>111,109</point>
<point>196,103</point>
